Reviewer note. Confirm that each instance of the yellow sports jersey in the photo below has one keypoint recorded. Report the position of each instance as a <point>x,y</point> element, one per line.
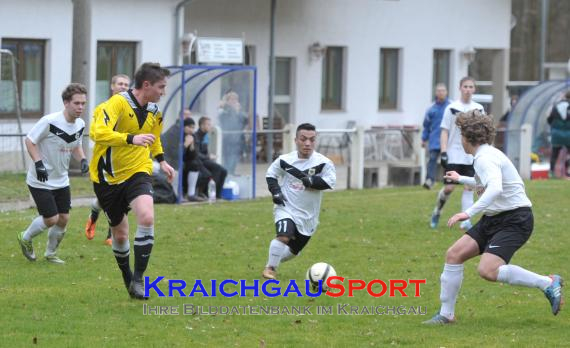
<point>115,123</point>
<point>95,113</point>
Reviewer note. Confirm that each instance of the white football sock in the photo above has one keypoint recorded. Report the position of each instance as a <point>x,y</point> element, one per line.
<point>515,275</point>
<point>442,197</point>
<point>451,279</point>
<point>55,236</point>
<point>192,181</point>
<point>36,227</point>
<point>95,206</point>
<point>466,200</point>
<point>276,249</point>
<point>287,255</point>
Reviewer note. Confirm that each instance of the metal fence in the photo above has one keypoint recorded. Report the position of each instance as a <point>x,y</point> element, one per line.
<point>376,157</point>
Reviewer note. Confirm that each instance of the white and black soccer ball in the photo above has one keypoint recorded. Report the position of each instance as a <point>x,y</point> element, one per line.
<point>319,271</point>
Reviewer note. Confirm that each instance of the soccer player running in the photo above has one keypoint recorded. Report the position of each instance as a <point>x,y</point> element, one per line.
<point>505,226</point>
<point>51,142</point>
<point>119,83</point>
<point>453,157</point>
<point>296,181</point>
<point>126,133</point>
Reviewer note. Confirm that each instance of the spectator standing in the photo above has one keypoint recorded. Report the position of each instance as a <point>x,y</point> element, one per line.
<point>432,131</point>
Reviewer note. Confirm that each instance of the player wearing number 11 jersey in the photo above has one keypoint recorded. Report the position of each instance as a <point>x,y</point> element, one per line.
<point>296,181</point>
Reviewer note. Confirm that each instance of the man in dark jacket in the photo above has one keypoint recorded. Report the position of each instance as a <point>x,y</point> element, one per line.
<point>210,168</point>
<point>432,131</point>
<point>559,121</point>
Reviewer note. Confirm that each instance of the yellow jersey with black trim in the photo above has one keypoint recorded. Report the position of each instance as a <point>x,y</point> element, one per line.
<point>115,123</point>
<point>96,112</point>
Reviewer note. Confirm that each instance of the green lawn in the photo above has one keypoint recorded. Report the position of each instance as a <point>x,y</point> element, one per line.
<point>369,234</point>
<point>13,187</point>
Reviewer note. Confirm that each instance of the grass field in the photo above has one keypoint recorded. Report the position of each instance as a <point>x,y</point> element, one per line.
<point>369,234</point>
<point>13,187</point>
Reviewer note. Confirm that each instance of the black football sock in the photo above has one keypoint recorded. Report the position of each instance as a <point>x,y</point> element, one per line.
<point>144,240</point>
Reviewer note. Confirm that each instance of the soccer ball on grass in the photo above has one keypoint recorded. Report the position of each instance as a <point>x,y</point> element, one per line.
<point>319,271</point>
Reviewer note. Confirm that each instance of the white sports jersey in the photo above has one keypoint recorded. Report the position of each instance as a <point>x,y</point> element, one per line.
<point>455,152</point>
<point>504,188</point>
<point>303,205</point>
<point>55,138</point>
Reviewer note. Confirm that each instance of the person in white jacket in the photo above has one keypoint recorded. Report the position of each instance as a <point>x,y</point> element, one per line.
<point>505,226</point>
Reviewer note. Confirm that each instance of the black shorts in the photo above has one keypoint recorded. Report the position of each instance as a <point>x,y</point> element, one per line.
<point>51,202</point>
<point>115,199</point>
<point>504,233</point>
<point>287,228</point>
<point>461,169</point>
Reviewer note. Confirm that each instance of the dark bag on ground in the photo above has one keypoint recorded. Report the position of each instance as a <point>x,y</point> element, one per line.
<point>163,192</point>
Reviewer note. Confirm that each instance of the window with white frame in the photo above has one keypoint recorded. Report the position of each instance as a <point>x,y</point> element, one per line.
<point>389,78</point>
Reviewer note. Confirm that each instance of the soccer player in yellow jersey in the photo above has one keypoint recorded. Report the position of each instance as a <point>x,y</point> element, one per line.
<point>119,83</point>
<point>126,133</point>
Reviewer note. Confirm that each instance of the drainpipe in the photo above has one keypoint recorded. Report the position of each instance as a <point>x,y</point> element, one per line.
<point>179,31</point>
<point>270,106</point>
<point>543,37</point>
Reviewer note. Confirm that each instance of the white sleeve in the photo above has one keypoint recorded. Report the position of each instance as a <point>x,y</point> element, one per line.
<point>329,174</point>
<point>39,131</point>
<point>492,180</point>
<point>446,119</point>
<point>467,180</point>
<point>274,170</point>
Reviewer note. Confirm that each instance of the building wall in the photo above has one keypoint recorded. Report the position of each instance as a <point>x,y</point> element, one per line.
<point>149,23</point>
<point>363,26</point>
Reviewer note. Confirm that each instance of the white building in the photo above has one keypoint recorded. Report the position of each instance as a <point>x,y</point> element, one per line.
<point>370,43</point>
<point>40,33</point>
<point>378,67</point>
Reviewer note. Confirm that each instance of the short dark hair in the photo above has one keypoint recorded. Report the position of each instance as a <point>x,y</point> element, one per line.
<point>202,120</point>
<point>467,78</point>
<point>305,126</point>
<point>188,122</point>
<point>151,72</point>
<point>476,127</point>
<point>73,89</point>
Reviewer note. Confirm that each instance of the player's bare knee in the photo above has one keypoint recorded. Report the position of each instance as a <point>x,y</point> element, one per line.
<point>52,220</point>
<point>487,272</point>
<point>62,220</point>
<point>453,256</point>
<point>447,189</point>
<point>283,239</point>
<point>146,219</point>
<point>121,237</point>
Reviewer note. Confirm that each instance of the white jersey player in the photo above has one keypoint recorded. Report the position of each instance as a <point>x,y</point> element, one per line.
<point>453,157</point>
<point>51,143</point>
<point>296,181</point>
<point>505,226</point>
